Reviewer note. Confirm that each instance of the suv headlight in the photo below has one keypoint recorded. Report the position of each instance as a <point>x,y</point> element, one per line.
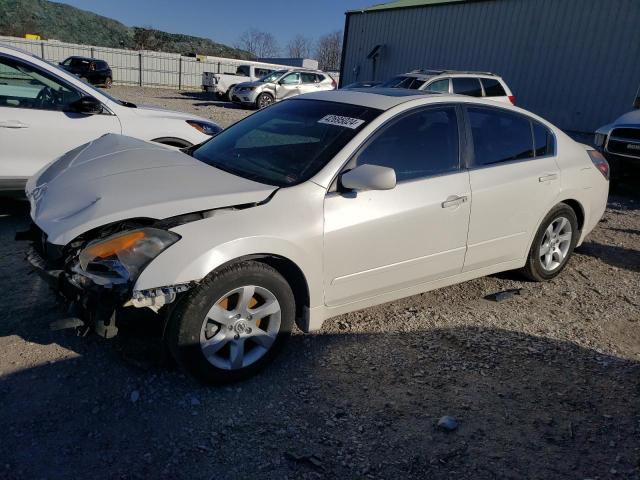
<point>124,255</point>
<point>205,127</point>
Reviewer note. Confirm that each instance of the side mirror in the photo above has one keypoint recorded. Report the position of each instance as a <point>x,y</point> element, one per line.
<point>86,105</point>
<point>369,177</point>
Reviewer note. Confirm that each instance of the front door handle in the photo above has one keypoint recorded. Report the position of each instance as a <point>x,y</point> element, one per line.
<point>13,124</point>
<point>547,178</point>
<point>454,201</point>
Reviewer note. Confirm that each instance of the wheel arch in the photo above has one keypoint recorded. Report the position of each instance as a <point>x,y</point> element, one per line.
<point>577,208</point>
<point>291,272</point>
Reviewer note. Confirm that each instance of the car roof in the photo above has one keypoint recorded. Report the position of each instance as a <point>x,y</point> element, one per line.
<point>86,58</point>
<point>380,98</point>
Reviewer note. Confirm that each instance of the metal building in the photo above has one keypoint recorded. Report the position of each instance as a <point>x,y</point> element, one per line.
<point>574,62</point>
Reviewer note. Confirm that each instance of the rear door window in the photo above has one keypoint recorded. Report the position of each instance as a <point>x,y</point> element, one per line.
<point>308,77</point>
<point>492,88</point>
<point>499,136</point>
<point>467,86</point>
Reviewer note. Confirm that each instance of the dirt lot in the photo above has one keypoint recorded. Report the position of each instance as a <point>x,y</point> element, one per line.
<point>543,385</point>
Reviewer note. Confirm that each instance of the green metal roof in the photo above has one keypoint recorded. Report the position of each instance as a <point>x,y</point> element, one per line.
<point>404,4</point>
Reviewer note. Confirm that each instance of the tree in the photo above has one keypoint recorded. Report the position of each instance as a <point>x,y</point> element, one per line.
<point>144,38</point>
<point>329,51</point>
<point>259,44</point>
<point>299,47</point>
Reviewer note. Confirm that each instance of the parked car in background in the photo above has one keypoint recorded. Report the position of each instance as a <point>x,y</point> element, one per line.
<point>620,144</point>
<point>280,85</point>
<point>46,111</point>
<point>314,207</point>
<point>361,85</point>
<point>474,84</point>
<point>91,70</point>
<point>222,83</point>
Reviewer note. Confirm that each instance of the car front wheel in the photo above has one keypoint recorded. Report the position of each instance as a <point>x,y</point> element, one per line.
<point>264,100</point>
<point>553,244</point>
<point>233,324</point>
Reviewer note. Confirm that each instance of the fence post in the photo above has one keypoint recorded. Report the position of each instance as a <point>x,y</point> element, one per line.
<point>92,53</point>
<point>42,50</point>
<point>218,67</point>
<point>180,72</point>
<point>140,68</point>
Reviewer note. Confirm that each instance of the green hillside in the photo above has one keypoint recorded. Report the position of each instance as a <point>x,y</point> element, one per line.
<point>69,24</point>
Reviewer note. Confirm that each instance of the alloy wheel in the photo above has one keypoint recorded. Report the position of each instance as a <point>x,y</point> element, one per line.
<point>265,101</point>
<point>241,327</point>
<point>556,244</point>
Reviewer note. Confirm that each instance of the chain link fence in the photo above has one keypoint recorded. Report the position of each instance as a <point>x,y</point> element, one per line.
<point>133,67</point>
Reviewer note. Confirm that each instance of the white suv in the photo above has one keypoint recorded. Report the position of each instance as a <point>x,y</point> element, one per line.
<point>46,111</point>
<point>474,84</point>
<point>316,206</point>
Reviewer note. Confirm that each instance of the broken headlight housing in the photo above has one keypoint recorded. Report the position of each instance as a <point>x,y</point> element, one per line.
<point>121,257</point>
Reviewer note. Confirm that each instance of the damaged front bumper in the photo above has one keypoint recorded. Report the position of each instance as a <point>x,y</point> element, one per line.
<point>95,301</point>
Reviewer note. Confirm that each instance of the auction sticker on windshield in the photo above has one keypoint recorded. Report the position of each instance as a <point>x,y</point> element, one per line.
<point>340,121</point>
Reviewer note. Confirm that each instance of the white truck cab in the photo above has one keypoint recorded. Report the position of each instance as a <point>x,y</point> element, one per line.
<point>222,83</point>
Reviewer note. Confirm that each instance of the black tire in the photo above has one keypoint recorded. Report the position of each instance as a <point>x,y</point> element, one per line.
<point>108,82</point>
<point>534,269</point>
<point>264,100</point>
<point>227,95</point>
<point>190,316</point>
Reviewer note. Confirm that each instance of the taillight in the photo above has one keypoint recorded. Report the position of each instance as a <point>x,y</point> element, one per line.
<point>599,162</point>
<point>512,99</point>
<point>334,84</point>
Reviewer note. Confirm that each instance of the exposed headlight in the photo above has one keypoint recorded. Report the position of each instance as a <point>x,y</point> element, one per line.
<point>205,127</point>
<point>122,256</point>
<point>599,139</point>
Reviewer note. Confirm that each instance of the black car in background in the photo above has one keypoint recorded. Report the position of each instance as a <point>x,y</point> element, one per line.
<point>92,70</point>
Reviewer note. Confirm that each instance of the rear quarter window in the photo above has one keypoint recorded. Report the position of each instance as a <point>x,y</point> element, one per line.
<point>543,140</point>
<point>492,88</point>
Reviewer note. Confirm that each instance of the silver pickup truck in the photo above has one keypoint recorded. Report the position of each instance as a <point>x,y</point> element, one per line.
<point>222,83</point>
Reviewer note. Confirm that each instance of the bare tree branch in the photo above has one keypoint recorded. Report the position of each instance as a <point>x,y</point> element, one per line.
<point>329,51</point>
<point>299,47</point>
<point>259,44</point>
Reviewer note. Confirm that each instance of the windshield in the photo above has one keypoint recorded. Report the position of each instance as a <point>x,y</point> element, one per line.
<point>287,143</point>
<point>272,77</point>
<point>402,81</point>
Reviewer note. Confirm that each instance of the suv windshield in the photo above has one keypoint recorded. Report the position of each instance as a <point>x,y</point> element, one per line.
<point>272,77</point>
<point>287,143</point>
<point>402,81</point>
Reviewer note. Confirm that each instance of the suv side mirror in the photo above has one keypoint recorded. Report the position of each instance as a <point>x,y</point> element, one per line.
<point>86,105</point>
<point>369,177</point>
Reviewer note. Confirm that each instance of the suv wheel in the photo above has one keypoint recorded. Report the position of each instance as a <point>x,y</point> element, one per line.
<point>108,82</point>
<point>233,324</point>
<point>264,100</point>
<point>553,244</point>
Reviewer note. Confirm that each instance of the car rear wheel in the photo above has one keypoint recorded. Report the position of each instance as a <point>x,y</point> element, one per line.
<point>233,324</point>
<point>264,100</point>
<point>553,244</point>
<point>108,82</point>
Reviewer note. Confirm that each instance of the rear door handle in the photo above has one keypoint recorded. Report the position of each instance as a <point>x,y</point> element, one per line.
<point>454,201</point>
<point>547,178</point>
<point>13,124</point>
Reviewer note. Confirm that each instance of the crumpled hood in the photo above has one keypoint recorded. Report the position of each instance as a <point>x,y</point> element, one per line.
<point>116,177</point>
<point>256,83</point>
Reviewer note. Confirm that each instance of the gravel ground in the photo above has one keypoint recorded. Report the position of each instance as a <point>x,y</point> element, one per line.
<point>199,103</point>
<point>542,385</point>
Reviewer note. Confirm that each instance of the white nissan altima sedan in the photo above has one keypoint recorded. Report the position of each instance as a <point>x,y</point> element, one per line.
<point>316,206</point>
